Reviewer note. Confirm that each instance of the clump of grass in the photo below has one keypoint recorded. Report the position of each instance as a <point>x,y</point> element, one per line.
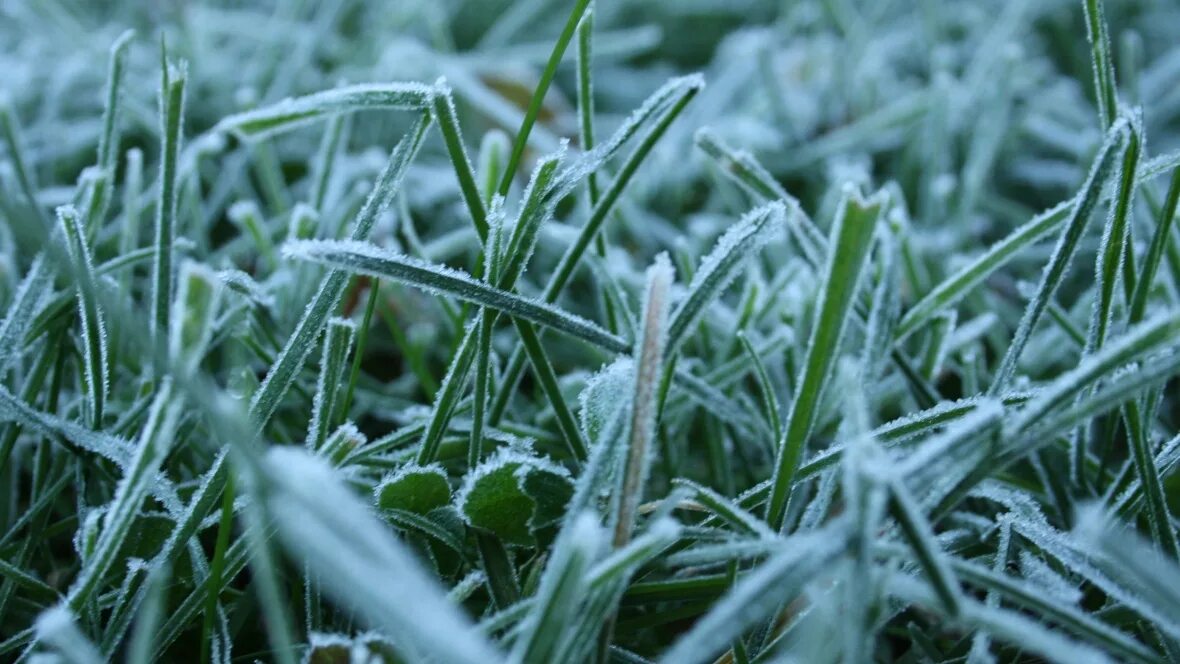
<point>530,343</point>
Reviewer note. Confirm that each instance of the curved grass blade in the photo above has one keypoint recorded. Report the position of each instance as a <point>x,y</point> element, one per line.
<point>366,258</point>
<point>717,270</point>
<point>296,112</point>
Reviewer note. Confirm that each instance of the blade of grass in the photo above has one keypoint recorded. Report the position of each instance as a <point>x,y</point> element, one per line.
<point>650,349</point>
<point>337,344</point>
<point>1062,254</point>
<point>365,258</point>
<point>295,112</point>
<point>851,237</point>
<point>737,247</point>
<point>172,93</point>
<point>1100,58</point>
<point>90,314</point>
<point>1155,250</point>
<point>327,298</point>
<point>538,99</point>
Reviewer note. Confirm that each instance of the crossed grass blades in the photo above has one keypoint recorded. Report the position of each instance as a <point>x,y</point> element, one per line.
<point>783,368</point>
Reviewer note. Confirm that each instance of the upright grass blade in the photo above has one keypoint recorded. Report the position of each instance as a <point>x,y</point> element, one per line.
<point>852,234</point>
<point>108,140</point>
<point>443,108</point>
<point>447,398</point>
<point>217,566</point>
<point>327,298</point>
<point>586,96</point>
<point>129,231</point>
<point>650,349</point>
<point>543,369</point>
<point>1100,57</point>
<point>561,590</point>
<point>766,388</point>
<point>172,92</point>
<point>534,109</point>
<point>193,315</point>
<point>1063,253</point>
<point>335,136</point>
<point>363,566</point>
<point>90,314</point>
<point>1115,237</point>
<point>1155,251</point>
<point>1158,514</point>
<point>296,112</point>
<point>337,344</point>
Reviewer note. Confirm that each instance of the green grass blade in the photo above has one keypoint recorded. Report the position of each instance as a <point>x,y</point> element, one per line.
<point>1115,237</point>
<point>22,309</point>
<point>648,356</point>
<point>337,344</point>
<point>1155,251</point>
<point>1103,64</point>
<point>365,258</point>
<point>851,238</point>
<point>295,112</point>
<point>151,448</point>
<point>561,588</point>
<point>543,369</point>
<point>920,535</point>
<point>172,95</point>
<point>1063,254</point>
<point>90,314</point>
<point>733,251</point>
<point>327,298</point>
<point>534,109</point>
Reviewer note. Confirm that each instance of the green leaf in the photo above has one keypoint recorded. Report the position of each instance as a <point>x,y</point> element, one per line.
<point>417,489</point>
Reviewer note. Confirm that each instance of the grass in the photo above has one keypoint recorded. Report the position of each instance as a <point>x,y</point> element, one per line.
<point>615,331</point>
